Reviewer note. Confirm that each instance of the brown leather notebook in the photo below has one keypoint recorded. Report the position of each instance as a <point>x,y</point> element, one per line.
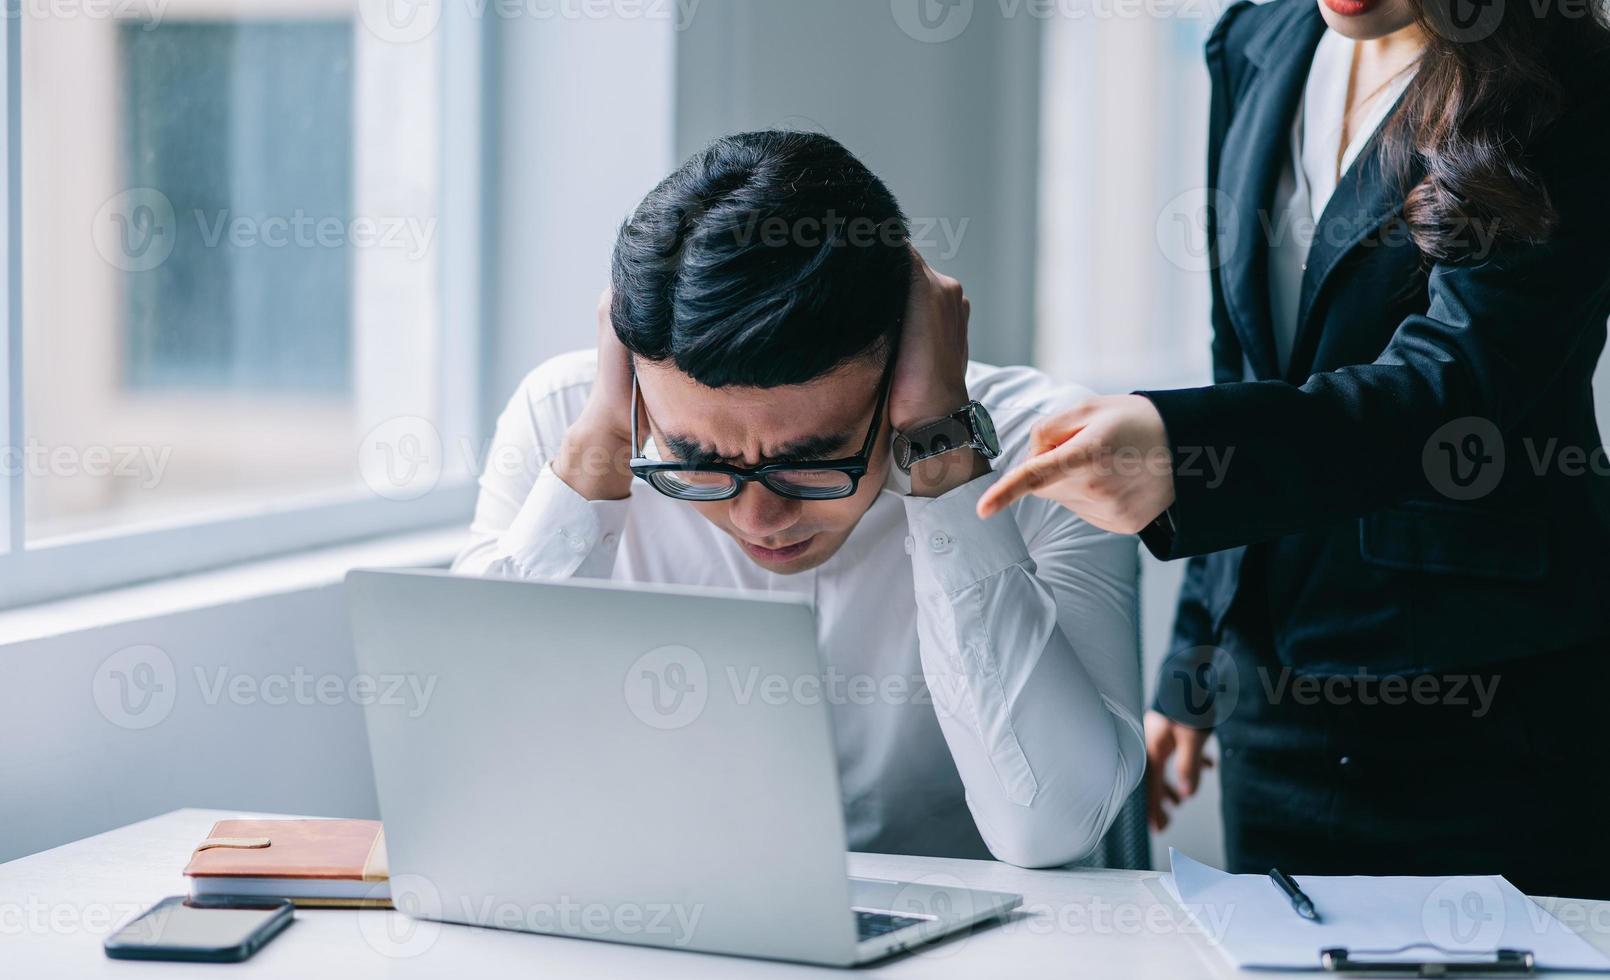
<point>310,862</point>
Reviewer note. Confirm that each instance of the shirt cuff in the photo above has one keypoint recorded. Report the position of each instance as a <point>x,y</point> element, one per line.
<point>951,547</point>
<point>558,531</point>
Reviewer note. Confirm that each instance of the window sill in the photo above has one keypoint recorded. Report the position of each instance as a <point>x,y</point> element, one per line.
<point>235,583</point>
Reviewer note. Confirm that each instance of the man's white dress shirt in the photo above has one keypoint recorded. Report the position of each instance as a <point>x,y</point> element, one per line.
<point>1309,176</point>
<point>983,676</point>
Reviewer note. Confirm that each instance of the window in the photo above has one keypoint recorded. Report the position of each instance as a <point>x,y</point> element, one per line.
<point>222,314</point>
<point>243,328</point>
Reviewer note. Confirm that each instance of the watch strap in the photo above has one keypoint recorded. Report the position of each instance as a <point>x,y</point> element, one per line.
<point>941,435</point>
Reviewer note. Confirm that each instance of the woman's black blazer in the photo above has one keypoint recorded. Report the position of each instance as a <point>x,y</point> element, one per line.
<point>1424,487</point>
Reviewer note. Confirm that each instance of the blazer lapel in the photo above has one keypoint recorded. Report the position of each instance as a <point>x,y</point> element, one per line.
<point>1255,147</point>
<point>1365,198</point>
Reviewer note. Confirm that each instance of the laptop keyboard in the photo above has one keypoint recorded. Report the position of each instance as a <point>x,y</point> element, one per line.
<point>871,925</point>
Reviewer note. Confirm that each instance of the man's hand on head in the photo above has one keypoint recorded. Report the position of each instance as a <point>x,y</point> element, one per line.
<point>594,457</point>
<point>930,378</point>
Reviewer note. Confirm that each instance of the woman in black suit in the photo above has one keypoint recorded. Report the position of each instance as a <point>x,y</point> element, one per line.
<point>1394,500</point>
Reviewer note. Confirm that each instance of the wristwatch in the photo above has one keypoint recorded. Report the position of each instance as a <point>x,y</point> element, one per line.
<point>968,428</point>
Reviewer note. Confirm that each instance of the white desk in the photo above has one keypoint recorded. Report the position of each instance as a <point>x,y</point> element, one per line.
<point>57,906</point>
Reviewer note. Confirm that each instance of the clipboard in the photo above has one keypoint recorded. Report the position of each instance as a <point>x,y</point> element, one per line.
<point>1414,926</point>
<point>1502,963</point>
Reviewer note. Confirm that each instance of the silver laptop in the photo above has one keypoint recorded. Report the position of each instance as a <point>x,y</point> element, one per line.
<point>622,763</point>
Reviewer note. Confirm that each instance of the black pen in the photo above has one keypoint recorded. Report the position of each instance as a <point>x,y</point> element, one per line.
<point>1300,902</point>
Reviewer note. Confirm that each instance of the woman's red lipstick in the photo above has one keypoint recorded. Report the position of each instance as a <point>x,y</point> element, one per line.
<point>1351,8</point>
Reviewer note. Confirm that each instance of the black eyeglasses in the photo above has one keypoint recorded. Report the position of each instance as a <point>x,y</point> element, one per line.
<point>830,479</point>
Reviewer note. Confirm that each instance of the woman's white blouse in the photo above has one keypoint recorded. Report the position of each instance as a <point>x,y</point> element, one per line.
<point>1309,177</point>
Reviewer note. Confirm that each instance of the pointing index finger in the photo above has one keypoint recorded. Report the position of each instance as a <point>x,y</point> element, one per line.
<point>1033,473</point>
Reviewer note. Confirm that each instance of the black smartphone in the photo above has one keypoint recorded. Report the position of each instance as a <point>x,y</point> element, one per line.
<point>210,930</point>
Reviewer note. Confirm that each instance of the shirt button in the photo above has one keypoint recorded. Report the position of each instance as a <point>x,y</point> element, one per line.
<point>578,545</point>
<point>911,545</point>
<point>939,543</point>
<point>609,540</point>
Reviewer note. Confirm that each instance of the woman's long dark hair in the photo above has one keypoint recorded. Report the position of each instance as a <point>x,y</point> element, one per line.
<point>1491,80</point>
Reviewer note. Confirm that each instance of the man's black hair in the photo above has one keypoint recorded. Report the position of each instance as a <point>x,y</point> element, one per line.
<point>766,259</point>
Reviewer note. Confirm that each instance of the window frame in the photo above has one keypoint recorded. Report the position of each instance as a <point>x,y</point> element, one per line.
<point>62,567</point>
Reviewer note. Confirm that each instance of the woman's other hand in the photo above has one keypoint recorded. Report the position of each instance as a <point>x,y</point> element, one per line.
<point>1167,738</point>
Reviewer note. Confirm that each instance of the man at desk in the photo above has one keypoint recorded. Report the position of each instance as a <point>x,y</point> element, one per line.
<point>769,337</point>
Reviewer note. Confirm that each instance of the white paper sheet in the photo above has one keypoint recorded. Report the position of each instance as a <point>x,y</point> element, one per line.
<point>1423,919</point>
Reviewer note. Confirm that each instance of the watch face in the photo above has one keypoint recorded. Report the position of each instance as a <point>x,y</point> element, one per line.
<point>985,427</point>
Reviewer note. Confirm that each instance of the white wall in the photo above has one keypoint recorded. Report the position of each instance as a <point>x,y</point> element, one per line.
<point>69,767</point>
<point>582,130</point>
<point>949,126</point>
